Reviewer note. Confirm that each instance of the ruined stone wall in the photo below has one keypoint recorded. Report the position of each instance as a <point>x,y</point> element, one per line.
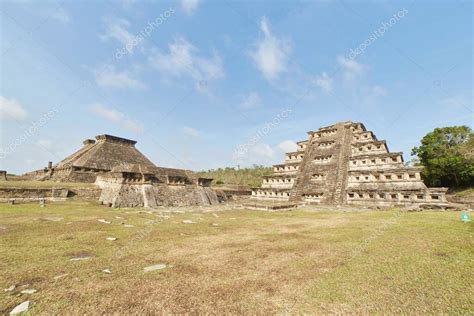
<point>32,194</point>
<point>120,191</point>
<point>84,194</point>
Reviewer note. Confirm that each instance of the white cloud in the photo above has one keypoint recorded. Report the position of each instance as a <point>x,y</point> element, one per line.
<point>107,113</point>
<point>287,146</point>
<point>58,14</point>
<point>351,67</point>
<point>10,109</point>
<point>189,6</point>
<point>271,53</point>
<point>262,154</point>
<point>116,117</point>
<point>379,91</point>
<point>110,78</point>
<point>324,82</point>
<point>117,29</point>
<point>182,60</point>
<point>189,131</point>
<point>251,101</point>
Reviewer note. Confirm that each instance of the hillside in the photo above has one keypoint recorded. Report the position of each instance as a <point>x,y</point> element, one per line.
<point>244,176</point>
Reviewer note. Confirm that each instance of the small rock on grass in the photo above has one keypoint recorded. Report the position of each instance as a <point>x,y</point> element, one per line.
<point>215,215</point>
<point>187,221</point>
<point>215,224</point>
<point>80,258</point>
<point>111,238</point>
<point>103,221</point>
<point>54,219</point>
<point>107,271</point>
<point>11,288</point>
<point>155,267</point>
<point>29,291</point>
<point>21,308</point>
<point>128,226</point>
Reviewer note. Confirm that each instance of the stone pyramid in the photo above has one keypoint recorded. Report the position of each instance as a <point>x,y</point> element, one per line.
<point>346,164</point>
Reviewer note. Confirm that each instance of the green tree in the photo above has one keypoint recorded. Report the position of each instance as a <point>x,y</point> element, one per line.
<point>447,156</point>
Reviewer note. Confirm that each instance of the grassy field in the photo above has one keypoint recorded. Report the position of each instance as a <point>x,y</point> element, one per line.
<point>250,262</point>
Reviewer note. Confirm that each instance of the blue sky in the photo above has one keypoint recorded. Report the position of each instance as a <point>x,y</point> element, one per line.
<point>208,84</point>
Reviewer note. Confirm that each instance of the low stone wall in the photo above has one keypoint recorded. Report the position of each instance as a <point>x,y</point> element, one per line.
<point>53,194</point>
<point>85,194</point>
<point>234,192</point>
<point>33,194</point>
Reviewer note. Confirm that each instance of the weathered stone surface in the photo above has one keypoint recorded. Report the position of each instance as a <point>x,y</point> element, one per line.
<point>21,308</point>
<point>346,164</point>
<point>111,238</point>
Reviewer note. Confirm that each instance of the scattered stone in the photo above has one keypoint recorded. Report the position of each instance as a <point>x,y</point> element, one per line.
<point>111,238</point>
<point>187,221</point>
<point>29,291</point>
<point>179,212</point>
<point>215,215</point>
<point>60,276</point>
<point>11,288</point>
<point>215,224</point>
<point>103,221</point>
<point>54,219</point>
<point>118,217</point>
<point>128,226</point>
<point>107,271</point>
<point>80,258</point>
<point>21,308</point>
<point>155,267</point>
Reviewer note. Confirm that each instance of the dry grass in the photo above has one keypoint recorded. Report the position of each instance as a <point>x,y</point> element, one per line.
<point>253,262</point>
